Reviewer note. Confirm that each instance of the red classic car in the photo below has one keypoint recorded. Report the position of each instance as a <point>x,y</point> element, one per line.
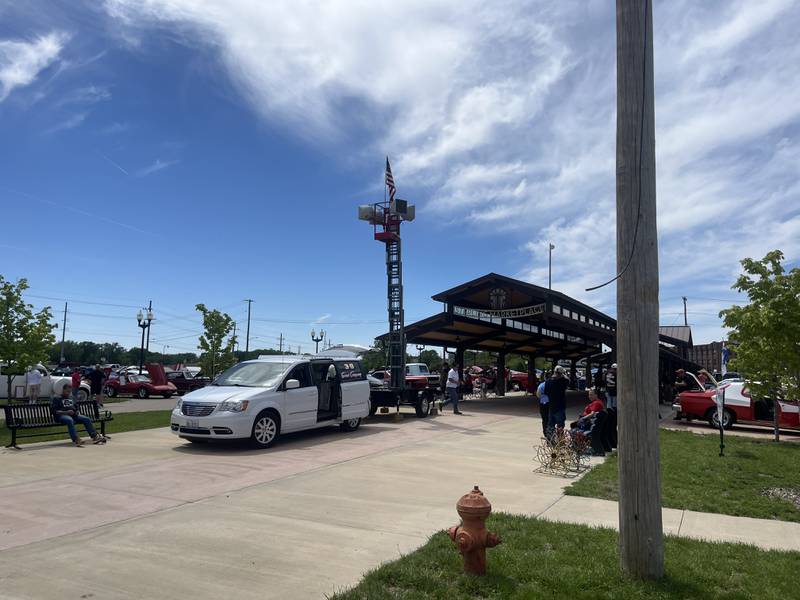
<point>740,407</point>
<point>153,384</point>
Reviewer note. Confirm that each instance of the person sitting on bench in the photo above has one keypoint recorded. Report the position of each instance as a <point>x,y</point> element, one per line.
<point>64,411</point>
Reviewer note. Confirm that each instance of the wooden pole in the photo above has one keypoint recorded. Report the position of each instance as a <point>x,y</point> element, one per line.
<point>640,527</point>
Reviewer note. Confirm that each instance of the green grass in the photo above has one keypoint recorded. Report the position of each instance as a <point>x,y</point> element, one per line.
<point>695,477</point>
<point>540,559</point>
<point>122,422</point>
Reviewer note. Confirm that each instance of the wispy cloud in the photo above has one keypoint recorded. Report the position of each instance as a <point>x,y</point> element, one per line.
<point>155,167</point>
<point>321,319</point>
<point>501,117</point>
<point>78,211</point>
<point>113,163</point>
<point>69,123</point>
<point>115,128</point>
<point>86,95</point>
<point>22,61</point>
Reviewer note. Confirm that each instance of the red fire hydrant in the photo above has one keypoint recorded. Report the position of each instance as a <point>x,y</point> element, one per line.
<point>471,536</point>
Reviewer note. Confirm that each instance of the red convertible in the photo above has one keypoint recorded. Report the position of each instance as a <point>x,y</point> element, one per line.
<point>153,384</point>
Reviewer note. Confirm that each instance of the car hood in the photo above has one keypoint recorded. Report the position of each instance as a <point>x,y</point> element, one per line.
<point>215,394</point>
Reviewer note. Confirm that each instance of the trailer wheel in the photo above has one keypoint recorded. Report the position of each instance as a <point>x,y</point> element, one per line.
<point>423,405</point>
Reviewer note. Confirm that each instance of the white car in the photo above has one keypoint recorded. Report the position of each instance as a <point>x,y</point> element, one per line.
<point>261,399</point>
<point>50,386</point>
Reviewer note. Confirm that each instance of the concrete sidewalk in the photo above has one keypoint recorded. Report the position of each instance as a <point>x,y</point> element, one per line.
<point>763,533</point>
<point>149,516</point>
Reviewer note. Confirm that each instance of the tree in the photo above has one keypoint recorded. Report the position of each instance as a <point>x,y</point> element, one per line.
<point>376,356</point>
<point>767,330</point>
<point>217,354</point>
<point>25,335</point>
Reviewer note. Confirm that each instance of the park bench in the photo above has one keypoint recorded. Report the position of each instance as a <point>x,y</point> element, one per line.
<point>22,418</point>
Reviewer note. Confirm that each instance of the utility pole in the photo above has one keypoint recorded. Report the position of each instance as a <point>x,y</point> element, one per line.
<point>551,247</point>
<point>247,338</point>
<point>149,312</point>
<point>640,526</point>
<point>685,314</point>
<point>280,344</point>
<point>63,335</point>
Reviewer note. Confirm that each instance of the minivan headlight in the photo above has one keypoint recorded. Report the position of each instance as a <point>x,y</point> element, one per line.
<point>234,405</point>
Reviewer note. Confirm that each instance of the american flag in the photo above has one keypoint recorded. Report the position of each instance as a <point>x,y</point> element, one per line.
<point>390,181</point>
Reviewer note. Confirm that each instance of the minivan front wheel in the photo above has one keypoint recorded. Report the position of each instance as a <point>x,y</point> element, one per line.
<point>266,429</point>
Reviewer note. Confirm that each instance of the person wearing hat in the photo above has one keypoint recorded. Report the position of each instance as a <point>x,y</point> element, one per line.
<point>556,391</point>
<point>684,382</point>
<point>611,387</point>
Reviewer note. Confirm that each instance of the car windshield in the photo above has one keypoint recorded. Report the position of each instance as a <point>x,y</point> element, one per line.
<point>253,374</point>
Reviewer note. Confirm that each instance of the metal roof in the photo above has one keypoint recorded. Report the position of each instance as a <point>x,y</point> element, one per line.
<point>676,334</point>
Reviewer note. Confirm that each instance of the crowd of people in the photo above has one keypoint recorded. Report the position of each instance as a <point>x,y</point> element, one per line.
<point>597,423</point>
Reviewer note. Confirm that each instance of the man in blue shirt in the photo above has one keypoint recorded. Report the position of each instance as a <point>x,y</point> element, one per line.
<point>544,406</point>
<point>64,411</point>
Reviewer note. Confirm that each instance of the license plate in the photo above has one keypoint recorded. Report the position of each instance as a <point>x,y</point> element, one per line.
<point>194,423</point>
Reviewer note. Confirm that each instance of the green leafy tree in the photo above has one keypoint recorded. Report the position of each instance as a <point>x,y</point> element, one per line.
<point>431,358</point>
<point>25,335</point>
<point>767,330</point>
<point>217,352</point>
<point>376,356</point>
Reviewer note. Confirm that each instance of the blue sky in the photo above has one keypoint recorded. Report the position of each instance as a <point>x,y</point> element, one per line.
<point>186,151</point>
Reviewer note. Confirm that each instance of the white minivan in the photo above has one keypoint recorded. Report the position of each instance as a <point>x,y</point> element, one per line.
<point>261,399</point>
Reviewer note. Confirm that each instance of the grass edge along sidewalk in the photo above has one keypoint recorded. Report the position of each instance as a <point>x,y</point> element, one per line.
<point>122,422</point>
<point>694,476</point>
<point>543,559</point>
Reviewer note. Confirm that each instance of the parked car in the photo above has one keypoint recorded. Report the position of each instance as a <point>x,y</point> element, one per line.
<point>51,385</point>
<point>153,384</point>
<point>262,399</point>
<point>185,382</point>
<point>740,407</point>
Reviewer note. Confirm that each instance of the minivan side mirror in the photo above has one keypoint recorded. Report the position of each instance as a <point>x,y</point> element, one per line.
<point>292,384</point>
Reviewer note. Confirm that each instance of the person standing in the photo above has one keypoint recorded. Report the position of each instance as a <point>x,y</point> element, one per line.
<point>453,381</point>
<point>76,383</point>
<point>556,390</point>
<point>33,382</point>
<point>64,411</point>
<point>96,379</point>
<point>544,405</point>
<point>443,379</point>
<point>611,387</point>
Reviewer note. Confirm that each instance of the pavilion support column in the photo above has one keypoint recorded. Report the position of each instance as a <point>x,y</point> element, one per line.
<point>587,377</point>
<point>500,385</point>
<point>532,382</point>
<point>460,362</point>
<point>572,374</point>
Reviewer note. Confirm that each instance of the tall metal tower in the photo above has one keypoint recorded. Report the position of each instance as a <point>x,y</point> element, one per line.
<point>385,218</point>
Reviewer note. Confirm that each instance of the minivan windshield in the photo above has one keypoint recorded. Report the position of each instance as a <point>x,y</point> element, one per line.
<point>253,374</point>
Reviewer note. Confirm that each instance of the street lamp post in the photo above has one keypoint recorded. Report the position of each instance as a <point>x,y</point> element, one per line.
<point>316,339</point>
<point>144,323</point>
<point>550,266</point>
<point>420,348</point>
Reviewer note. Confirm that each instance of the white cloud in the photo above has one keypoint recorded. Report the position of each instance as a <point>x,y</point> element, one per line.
<point>70,122</point>
<point>502,116</point>
<point>157,165</point>
<point>22,61</point>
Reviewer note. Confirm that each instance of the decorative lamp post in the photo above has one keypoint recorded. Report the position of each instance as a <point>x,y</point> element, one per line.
<point>144,323</point>
<point>420,348</point>
<point>316,339</point>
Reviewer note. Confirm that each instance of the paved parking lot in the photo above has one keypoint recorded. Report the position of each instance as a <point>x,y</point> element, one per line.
<point>149,516</point>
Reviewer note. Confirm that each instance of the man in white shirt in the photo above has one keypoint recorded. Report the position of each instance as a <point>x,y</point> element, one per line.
<point>453,380</point>
<point>33,379</point>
